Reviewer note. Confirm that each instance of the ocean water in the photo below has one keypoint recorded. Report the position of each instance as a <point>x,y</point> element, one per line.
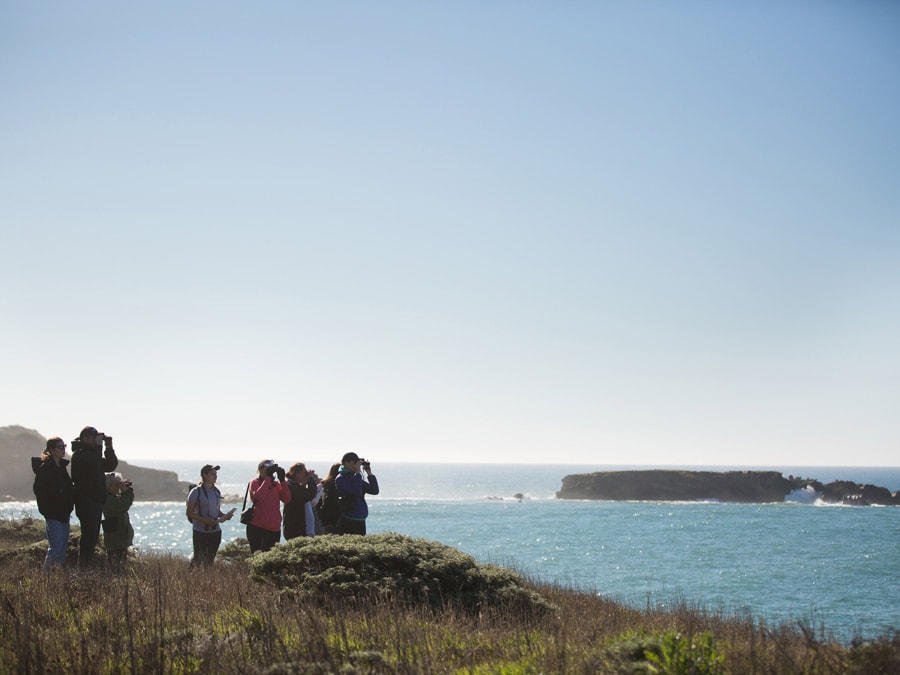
<point>835,567</point>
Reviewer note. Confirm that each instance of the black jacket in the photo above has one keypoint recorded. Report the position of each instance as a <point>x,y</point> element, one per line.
<point>89,469</point>
<point>53,488</point>
<point>295,510</point>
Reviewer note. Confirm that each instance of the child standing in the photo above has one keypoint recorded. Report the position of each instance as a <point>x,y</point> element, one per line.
<point>118,534</point>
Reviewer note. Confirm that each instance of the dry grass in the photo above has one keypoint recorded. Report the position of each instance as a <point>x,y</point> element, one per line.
<point>161,616</point>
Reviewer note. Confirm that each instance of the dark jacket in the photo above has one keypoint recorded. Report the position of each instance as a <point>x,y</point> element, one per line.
<point>352,489</point>
<point>89,469</point>
<point>295,510</point>
<point>118,533</point>
<point>53,488</point>
<point>329,507</point>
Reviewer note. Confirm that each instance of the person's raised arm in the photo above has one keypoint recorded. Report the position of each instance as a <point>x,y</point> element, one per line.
<point>110,461</point>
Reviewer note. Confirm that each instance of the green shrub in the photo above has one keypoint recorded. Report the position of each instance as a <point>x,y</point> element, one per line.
<point>236,550</point>
<point>677,654</point>
<point>670,653</point>
<point>395,566</point>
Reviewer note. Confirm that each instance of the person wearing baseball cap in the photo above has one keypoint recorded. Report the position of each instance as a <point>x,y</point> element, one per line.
<point>90,464</point>
<point>204,510</point>
<point>351,489</point>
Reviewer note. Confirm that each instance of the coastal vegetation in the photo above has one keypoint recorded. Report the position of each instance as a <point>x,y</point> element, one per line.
<point>377,604</point>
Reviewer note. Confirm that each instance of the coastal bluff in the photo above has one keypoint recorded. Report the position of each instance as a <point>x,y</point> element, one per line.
<point>725,486</point>
<point>18,445</point>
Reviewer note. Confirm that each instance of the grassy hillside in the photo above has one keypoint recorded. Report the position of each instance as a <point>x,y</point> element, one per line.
<point>393,605</point>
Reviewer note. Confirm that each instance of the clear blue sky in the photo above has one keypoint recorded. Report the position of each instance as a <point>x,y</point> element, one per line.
<point>590,232</point>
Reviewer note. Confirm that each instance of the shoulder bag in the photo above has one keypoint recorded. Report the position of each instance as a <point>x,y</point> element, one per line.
<point>246,514</point>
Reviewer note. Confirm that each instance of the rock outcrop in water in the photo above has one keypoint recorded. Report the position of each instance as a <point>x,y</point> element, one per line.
<point>18,445</point>
<point>727,486</point>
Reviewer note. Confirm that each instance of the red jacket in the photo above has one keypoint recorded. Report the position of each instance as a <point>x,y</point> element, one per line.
<point>267,495</point>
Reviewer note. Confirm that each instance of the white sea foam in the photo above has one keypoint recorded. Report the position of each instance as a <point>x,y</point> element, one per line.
<point>804,495</point>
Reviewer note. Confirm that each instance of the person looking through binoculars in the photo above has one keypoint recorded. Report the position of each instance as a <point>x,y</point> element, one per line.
<point>267,492</point>
<point>351,489</point>
<point>89,469</point>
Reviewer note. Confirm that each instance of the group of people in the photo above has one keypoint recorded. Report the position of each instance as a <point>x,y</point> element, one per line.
<point>99,496</point>
<point>335,504</point>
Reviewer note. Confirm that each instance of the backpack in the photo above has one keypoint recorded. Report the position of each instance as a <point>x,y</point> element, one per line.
<point>329,508</point>
<point>205,494</point>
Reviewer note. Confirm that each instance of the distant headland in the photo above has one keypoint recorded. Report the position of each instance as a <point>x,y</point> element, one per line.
<point>18,445</point>
<point>727,486</point>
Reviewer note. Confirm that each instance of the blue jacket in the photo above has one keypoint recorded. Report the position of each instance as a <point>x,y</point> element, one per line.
<point>352,490</point>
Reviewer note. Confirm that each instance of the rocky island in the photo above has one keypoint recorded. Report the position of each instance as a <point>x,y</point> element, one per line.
<point>724,486</point>
<point>18,445</point>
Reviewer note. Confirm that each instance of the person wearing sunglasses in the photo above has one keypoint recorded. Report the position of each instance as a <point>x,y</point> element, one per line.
<point>55,498</point>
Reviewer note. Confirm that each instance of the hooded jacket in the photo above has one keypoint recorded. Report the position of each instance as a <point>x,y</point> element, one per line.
<point>53,488</point>
<point>118,533</point>
<point>88,472</point>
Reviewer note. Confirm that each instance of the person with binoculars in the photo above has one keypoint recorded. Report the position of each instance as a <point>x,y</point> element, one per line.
<point>351,489</point>
<point>90,464</point>
<point>299,519</point>
<point>267,492</point>
<point>118,534</point>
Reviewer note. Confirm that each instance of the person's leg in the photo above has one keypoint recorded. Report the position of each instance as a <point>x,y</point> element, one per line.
<point>270,539</point>
<point>198,542</point>
<point>206,544</point>
<point>90,515</point>
<point>213,541</point>
<point>57,541</point>
<point>348,526</point>
<point>255,538</point>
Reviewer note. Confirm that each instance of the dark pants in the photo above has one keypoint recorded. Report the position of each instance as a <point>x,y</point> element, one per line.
<point>89,515</point>
<point>206,545</point>
<point>348,526</point>
<point>261,539</point>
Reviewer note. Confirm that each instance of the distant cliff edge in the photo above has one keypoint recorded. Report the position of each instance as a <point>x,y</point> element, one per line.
<point>18,445</point>
<point>727,486</point>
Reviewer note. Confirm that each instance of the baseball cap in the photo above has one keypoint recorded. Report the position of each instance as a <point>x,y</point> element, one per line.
<point>209,467</point>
